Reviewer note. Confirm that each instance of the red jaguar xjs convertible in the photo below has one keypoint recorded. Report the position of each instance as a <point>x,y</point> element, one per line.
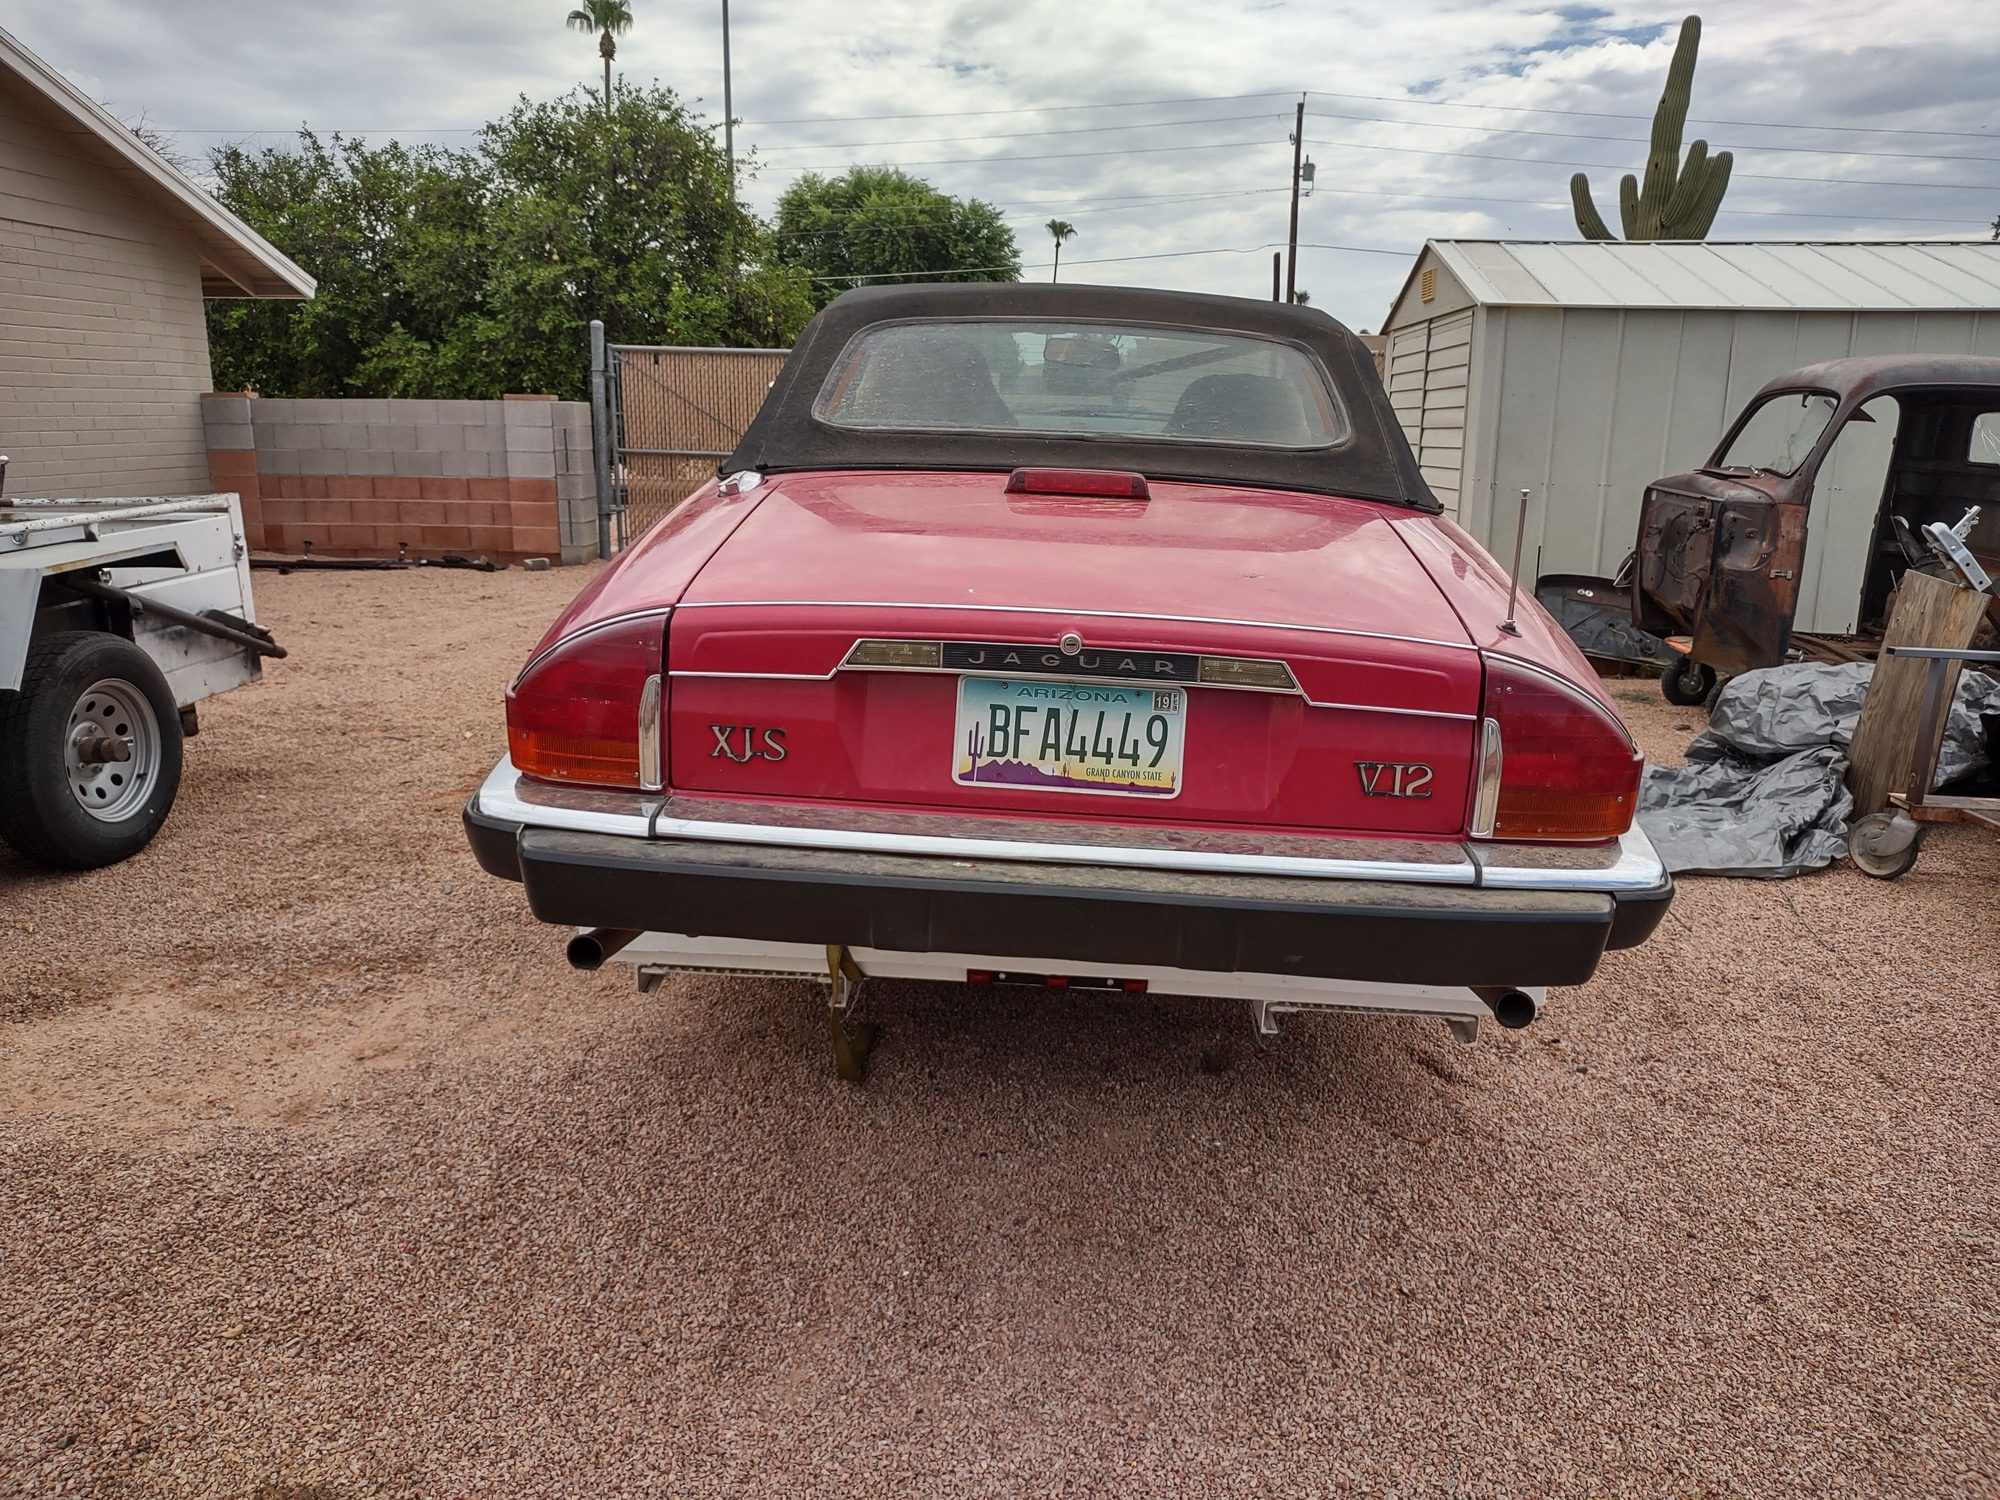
<point>1079,637</point>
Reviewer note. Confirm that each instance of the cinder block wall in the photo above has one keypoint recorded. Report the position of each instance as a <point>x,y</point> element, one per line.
<point>508,479</point>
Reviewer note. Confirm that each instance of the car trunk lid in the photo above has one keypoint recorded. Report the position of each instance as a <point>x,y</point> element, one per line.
<point>1110,621</point>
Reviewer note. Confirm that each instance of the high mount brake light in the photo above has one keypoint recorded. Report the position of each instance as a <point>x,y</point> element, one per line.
<point>1109,484</point>
<point>587,710</point>
<point>1568,771</point>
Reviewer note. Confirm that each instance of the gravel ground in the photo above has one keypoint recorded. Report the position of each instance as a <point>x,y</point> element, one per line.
<point>322,1176</point>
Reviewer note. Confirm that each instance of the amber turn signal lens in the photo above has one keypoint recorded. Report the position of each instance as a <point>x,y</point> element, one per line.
<point>1568,770</point>
<point>575,713</point>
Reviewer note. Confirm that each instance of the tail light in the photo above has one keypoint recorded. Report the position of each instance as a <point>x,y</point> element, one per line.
<point>587,710</point>
<point>1555,763</point>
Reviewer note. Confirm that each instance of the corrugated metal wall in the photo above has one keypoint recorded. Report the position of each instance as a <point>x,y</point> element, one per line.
<point>1428,368</point>
<point>1586,406</point>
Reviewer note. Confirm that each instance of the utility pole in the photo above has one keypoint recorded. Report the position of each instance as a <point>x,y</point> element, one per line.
<point>728,112</point>
<point>1292,239</point>
<point>1277,275</point>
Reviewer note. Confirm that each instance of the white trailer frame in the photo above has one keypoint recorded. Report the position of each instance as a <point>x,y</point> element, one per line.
<point>187,553</point>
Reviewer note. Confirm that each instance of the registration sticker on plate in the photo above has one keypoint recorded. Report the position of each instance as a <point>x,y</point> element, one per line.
<point>1069,736</point>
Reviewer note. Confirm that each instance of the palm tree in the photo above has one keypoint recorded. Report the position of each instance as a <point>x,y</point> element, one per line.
<point>1062,229</point>
<point>608,18</point>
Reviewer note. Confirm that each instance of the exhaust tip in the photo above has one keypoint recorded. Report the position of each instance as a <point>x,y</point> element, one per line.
<point>1513,1009</point>
<point>590,950</point>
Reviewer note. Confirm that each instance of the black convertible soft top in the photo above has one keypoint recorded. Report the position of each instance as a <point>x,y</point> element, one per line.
<point>1374,462</point>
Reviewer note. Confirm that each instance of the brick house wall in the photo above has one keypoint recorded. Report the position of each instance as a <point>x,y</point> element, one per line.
<point>103,341</point>
<point>506,480</point>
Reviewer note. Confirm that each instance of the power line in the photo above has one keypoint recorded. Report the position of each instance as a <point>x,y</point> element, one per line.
<point>1021,135</point>
<point>1037,109</point>
<point>1107,260</point>
<point>951,161</point>
<point>1571,135</point>
<point>1598,114</point>
<point>1766,213</point>
<point>1031,210</point>
<point>1028,109</point>
<point>1524,161</point>
<point>1606,166</point>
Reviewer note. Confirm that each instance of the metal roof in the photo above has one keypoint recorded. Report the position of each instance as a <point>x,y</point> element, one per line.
<point>1736,276</point>
<point>237,261</point>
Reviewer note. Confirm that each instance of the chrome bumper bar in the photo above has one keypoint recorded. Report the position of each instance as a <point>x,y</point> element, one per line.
<point>1629,865</point>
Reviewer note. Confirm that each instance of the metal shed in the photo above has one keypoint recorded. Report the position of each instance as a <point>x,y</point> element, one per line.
<point>1581,371</point>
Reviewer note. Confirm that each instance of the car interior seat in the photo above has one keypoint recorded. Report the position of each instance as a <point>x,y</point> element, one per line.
<point>1241,409</point>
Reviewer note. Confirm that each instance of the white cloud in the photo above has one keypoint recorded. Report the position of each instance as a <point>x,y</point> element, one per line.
<point>1386,180</point>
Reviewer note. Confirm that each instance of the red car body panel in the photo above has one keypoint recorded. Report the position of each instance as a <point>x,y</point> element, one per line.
<point>1210,550</point>
<point>1329,586</point>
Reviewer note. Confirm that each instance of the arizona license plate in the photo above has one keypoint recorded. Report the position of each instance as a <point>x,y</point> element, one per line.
<point>1069,736</point>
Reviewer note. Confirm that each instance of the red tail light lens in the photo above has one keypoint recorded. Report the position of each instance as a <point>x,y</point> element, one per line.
<point>1110,484</point>
<point>587,709</point>
<point>1567,769</point>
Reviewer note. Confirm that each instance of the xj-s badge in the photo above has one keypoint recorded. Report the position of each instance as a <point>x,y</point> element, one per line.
<point>758,744</point>
<point>1389,779</point>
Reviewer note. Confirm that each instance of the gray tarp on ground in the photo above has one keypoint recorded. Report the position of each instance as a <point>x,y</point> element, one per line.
<point>1763,791</point>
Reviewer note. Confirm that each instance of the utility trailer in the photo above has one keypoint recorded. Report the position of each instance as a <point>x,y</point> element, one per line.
<point>117,618</point>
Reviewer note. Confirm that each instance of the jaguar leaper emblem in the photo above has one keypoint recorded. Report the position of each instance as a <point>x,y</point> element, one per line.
<point>1383,778</point>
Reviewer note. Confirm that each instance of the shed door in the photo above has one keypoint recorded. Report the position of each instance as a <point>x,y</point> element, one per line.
<point>1447,362</point>
<point>1428,365</point>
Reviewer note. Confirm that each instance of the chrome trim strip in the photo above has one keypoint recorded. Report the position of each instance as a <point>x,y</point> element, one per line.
<point>1486,780</point>
<point>650,778</point>
<point>508,795</point>
<point>780,676</point>
<point>591,629</point>
<point>1220,687</point>
<point>1090,614</point>
<point>1630,865</point>
<point>1557,680</point>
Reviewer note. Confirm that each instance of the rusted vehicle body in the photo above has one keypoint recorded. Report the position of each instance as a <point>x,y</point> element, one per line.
<point>1721,550</point>
<point>1080,637</point>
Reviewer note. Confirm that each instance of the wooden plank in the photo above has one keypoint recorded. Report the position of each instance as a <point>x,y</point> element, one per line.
<point>1928,612</point>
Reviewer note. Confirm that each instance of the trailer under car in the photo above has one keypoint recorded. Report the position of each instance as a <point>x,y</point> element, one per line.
<point>117,619</point>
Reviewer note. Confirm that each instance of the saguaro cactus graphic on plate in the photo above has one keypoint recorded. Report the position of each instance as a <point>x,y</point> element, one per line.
<point>1678,200</point>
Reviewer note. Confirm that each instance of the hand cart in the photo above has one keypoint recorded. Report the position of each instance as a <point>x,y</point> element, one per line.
<point>1886,844</point>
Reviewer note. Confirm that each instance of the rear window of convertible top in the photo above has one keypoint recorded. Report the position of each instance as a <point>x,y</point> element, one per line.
<point>1081,379</point>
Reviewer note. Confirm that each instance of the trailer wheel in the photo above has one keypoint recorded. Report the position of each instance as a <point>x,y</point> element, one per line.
<point>90,752</point>
<point>1885,845</point>
<point>1688,683</point>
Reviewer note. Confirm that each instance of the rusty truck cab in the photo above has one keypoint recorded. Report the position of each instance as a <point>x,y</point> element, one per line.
<point>1721,551</point>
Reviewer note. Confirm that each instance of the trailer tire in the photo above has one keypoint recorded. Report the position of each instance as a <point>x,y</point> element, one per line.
<point>1687,682</point>
<point>90,752</point>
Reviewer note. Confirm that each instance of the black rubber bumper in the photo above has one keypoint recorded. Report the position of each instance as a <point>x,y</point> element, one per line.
<point>1096,918</point>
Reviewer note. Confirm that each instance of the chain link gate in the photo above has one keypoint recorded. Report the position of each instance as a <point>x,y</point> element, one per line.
<point>662,416</point>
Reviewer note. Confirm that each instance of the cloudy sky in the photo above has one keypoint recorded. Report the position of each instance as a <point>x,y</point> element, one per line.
<point>1159,129</point>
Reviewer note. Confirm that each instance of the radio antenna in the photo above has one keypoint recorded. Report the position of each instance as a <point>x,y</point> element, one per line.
<point>1514,575</point>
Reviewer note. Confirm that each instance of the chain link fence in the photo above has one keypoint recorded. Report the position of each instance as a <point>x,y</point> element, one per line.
<point>665,416</point>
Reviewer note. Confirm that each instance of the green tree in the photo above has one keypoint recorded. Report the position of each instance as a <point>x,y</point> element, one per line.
<point>875,224</point>
<point>394,235</point>
<point>610,19</point>
<point>630,220</point>
<point>1060,230</point>
<point>471,274</point>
